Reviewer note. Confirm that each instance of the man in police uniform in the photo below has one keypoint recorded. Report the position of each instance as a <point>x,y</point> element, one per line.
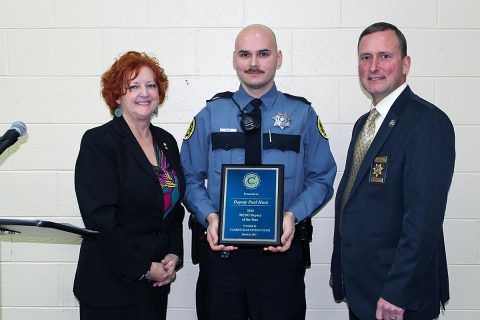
<point>255,283</point>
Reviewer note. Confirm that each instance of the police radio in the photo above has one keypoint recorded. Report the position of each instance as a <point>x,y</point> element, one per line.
<point>248,121</point>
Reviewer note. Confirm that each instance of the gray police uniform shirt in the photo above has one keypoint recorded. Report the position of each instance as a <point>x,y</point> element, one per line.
<point>292,135</point>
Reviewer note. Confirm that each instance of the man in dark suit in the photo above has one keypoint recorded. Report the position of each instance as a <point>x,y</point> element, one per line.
<point>389,257</point>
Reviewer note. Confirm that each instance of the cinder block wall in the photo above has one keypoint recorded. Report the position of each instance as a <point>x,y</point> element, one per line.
<point>52,53</point>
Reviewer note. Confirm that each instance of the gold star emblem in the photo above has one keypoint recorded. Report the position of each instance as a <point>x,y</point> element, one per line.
<point>377,170</point>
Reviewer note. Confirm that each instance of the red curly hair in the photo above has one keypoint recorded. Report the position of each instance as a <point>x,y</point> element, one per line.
<point>126,68</point>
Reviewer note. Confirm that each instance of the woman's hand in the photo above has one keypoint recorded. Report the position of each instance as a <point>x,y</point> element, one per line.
<point>163,272</point>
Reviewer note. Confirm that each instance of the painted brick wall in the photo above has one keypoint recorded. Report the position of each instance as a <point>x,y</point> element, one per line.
<point>52,53</point>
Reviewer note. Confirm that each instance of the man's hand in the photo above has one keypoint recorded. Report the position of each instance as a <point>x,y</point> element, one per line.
<point>387,311</point>
<point>288,233</point>
<point>212,234</point>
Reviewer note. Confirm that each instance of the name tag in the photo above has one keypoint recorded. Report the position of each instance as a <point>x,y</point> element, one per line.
<point>228,130</point>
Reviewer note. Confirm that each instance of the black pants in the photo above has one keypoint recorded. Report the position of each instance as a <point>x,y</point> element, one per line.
<point>251,284</point>
<point>351,315</point>
<point>152,309</point>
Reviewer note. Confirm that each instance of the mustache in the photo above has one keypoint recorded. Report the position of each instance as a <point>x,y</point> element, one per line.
<point>254,70</point>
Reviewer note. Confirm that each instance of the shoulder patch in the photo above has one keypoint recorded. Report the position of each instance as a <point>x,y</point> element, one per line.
<point>321,129</point>
<point>190,130</point>
<point>224,95</point>
<point>298,98</point>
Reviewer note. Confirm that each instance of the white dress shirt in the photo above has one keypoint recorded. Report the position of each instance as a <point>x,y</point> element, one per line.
<point>385,104</point>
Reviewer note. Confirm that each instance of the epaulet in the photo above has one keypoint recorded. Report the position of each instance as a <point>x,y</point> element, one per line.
<point>223,95</point>
<point>298,98</point>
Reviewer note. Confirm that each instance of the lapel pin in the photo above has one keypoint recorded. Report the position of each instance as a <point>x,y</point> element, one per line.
<point>391,124</point>
<point>165,145</point>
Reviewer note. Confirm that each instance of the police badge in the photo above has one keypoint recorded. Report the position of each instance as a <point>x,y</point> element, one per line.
<point>378,172</point>
<point>281,120</point>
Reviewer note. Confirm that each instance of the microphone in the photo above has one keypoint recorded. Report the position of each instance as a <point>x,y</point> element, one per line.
<point>17,130</point>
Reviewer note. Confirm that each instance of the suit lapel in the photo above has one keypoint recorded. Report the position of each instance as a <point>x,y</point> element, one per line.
<point>132,146</point>
<point>388,124</point>
<point>166,148</point>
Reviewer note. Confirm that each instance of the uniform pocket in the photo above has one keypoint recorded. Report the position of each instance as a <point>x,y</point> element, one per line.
<point>228,140</point>
<point>282,142</point>
<point>227,148</point>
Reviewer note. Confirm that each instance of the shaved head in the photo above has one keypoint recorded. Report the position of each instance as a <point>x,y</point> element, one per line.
<point>258,29</point>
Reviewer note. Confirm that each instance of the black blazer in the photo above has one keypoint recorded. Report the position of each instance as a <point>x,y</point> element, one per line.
<point>119,195</point>
<point>392,243</point>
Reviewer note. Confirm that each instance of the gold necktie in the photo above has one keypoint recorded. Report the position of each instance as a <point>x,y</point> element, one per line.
<point>361,146</point>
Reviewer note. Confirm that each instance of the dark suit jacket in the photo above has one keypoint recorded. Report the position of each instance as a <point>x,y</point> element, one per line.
<point>392,244</point>
<point>119,195</point>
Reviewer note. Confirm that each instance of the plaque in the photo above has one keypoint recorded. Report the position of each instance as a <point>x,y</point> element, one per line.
<point>251,205</point>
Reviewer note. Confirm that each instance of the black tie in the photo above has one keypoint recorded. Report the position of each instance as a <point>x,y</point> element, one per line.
<point>253,144</point>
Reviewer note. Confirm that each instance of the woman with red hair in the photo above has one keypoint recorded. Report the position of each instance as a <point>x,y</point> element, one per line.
<point>129,186</point>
